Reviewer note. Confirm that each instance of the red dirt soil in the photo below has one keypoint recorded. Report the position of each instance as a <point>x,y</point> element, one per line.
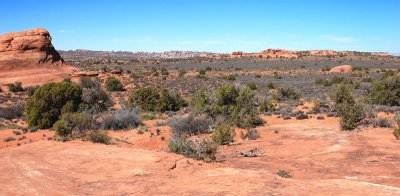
<point>37,76</point>
<point>322,160</point>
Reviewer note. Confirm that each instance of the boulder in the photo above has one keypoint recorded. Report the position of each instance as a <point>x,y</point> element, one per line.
<point>28,49</point>
<point>341,69</point>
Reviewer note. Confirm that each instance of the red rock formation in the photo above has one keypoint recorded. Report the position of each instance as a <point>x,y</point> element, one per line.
<point>342,69</point>
<point>28,49</point>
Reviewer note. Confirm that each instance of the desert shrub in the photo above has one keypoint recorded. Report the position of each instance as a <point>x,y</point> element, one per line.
<point>170,101</point>
<point>367,79</point>
<point>181,73</point>
<point>200,149</point>
<point>236,105</point>
<point>387,73</point>
<point>223,134</point>
<point>49,101</point>
<point>147,116</point>
<point>286,93</point>
<point>382,122</point>
<point>189,125</point>
<point>16,132</point>
<point>12,111</point>
<point>252,86</point>
<point>284,173</point>
<point>319,80</point>
<point>15,87</point>
<point>122,119</point>
<point>250,134</point>
<point>270,85</point>
<point>146,98</point>
<point>386,92</point>
<point>153,99</point>
<point>349,112</point>
<point>30,90</point>
<point>94,100</point>
<point>88,82</point>
<point>302,116</point>
<point>97,136</point>
<point>320,117</point>
<point>8,139</point>
<point>263,104</point>
<point>230,77</point>
<point>164,71</point>
<point>113,84</point>
<point>350,115</point>
<point>337,79</point>
<point>200,101</point>
<point>202,72</point>
<point>276,76</point>
<point>396,131</point>
<point>73,125</point>
<point>181,145</point>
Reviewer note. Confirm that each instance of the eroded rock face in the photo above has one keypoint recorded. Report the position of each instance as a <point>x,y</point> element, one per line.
<point>28,49</point>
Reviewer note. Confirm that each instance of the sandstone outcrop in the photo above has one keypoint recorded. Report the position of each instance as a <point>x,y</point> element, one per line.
<point>341,69</point>
<point>28,50</point>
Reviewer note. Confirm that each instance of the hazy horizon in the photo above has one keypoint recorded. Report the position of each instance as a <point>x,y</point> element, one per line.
<point>210,26</point>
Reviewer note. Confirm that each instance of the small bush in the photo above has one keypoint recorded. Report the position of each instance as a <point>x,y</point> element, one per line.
<point>284,173</point>
<point>15,87</point>
<point>153,99</point>
<point>88,82</point>
<point>252,86</point>
<point>73,122</point>
<point>250,134</point>
<point>223,134</point>
<point>230,77</point>
<point>189,125</point>
<point>396,131</point>
<point>49,101</point>
<point>302,116</point>
<point>285,94</point>
<point>200,149</point>
<point>270,85</point>
<point>12,111</point>
<point>386,92</point>
<point>8,139</point>
<point>201,101</point>
<point>97,136</point>
<point>237,105</point>
<point>95,100</point>
<point>349,112</point>
<point>202,72</point>
<point>113,84</point>
<point>181,73</point>
<point>122,119</point>
<point>17,132</point>
<point>164,71</point>
<point>383,122</point>
<point>30,90</point>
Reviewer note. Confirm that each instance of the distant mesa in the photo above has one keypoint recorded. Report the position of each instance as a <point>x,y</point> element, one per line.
<point>28,49</point>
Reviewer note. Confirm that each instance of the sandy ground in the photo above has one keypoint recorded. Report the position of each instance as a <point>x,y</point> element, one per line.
<point>321,159</point>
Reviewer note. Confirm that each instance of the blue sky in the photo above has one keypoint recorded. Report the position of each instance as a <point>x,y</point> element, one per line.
<point>210,25</point>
